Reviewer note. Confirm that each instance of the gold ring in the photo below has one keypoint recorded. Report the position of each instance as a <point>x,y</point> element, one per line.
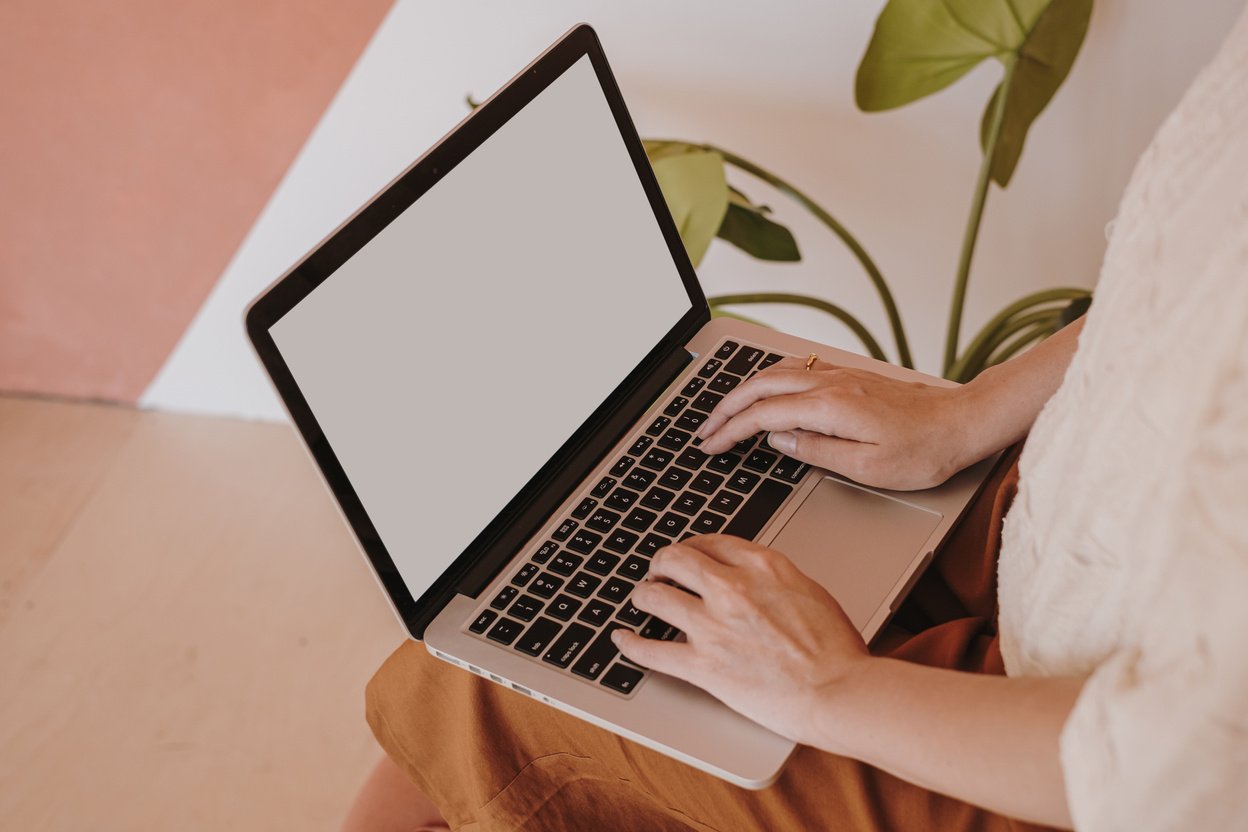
<point>810,362</point>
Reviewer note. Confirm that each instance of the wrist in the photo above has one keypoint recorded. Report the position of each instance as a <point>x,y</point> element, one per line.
<point>839,708</point>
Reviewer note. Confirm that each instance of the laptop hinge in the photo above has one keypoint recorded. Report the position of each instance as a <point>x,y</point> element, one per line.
<point>530,518</point>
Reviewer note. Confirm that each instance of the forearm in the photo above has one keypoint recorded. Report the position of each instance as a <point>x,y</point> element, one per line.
<point>1003,401</point>
<point>988,740</point>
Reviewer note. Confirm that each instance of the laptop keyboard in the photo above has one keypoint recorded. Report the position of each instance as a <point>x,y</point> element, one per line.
<point>562,601</point>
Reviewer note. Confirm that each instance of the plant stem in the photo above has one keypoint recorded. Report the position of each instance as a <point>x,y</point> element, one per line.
<point>977,212</point>
<point>805,300</point>
<point>868,265</point>
<point>1009,350</point>
<point>985,341</point>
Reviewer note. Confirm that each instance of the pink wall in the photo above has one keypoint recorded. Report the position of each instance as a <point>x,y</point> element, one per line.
<point>138,141</point>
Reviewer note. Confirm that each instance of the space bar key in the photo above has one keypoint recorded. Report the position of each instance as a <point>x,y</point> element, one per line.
<point>759,509</point>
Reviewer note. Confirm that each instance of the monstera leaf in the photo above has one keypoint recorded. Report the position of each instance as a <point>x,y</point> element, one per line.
<point>922,46</point>
<point>705,206</point>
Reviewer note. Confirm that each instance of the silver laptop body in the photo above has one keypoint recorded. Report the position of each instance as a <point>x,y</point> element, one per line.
<point>432,353</point>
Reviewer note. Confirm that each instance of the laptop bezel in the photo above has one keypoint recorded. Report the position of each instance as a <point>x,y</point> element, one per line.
<point>551,484</point>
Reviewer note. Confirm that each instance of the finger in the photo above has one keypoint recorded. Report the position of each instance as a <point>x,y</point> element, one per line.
<point>796,363</point>
<point>687,566</point>
<point>674,606</point>
<point>780,413</point>
<point>671,657</point>
<point>762,386</point>
<point>845,456</point>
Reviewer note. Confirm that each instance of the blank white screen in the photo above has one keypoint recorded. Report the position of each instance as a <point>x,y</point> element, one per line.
<point>451,357</point>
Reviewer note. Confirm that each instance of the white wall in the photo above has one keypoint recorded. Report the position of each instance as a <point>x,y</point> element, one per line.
<point>772,82</point>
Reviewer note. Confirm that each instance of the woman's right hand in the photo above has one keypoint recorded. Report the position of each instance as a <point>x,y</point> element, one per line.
<point>873,429</point>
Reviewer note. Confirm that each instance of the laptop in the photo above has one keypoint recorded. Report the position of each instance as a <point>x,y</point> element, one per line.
<point>498,365</point>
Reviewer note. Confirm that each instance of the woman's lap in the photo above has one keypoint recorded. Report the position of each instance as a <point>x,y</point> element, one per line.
<point>491,758</point>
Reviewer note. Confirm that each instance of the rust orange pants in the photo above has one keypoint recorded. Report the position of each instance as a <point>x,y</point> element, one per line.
<point>493,759</point>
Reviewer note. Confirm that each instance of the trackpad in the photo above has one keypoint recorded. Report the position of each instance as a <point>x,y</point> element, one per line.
<point>854,542</point>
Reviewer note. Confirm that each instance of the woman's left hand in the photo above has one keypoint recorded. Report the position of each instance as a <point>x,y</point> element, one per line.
<point>760,636</point>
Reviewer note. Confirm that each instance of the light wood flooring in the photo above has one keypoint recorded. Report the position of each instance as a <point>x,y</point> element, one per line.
<point>186,627</point>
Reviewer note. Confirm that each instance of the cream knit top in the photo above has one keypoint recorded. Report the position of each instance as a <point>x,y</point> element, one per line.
<point>1125,555</point>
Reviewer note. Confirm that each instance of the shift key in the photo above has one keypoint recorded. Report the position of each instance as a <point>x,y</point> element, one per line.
<point>568,645</point>
<point>599,654</point>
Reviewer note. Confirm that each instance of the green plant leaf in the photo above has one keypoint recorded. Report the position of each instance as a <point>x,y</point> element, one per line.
<point>747,227</point>
<point>693,184</point>
<point>1074,310</point>
<point>922,46</point>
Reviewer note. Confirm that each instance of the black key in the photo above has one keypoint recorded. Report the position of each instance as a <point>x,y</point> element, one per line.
<point>789,469</point>
<point>484,620</point>
<point>565,564</point>
<point>743,481</point>
<point>525,574</point>
<point>675,406</point>
<point>584,541</point>
<point>639,479</point>
<point>546,585</point>
<point>708,522</point>
<point>671,524</point>
<point>525,608</point>
<point>640,519</point>
<point>565,530</point>
<point>623,678</point>
<point>726,350</point>
<point>639,447</point>
<point>710,368</point>
<point>631,615</point>
<point>692,458</point>
<point>657,459</point>
<point>651,544</point>
<point>657,498</point>
<point>598,656</point>
<point>582,511</point>
<point>692,388</point>
<point>691,420</point>
<point>602,563</point>
<point>771,358</point>
<point>724,463</point>
<point>621,499</point>
<point>760,461</point>
<point>744,360</point>
<point>538,635</point>
<point>504,598</point>
<point>615,590</point>
<point>743,447</point>
<point>620,468</point>
<point>675,478</point>
<point>658,426</point>
<point>706,482</point>
<point>563,607</point>
<point>603,488</point>
<point>726,502</point>
<point>583,585</point>
<point>659,630</point>
<point>620,541</point>
<point>634,568</point>
<point>602,520</point>
<point>506,630</point>
<point>724,383</point>
<point>571,642</point>
<point>689,504</point>
<point>596,612</point>
<point>675,440</point>
<point>758,509</point>
<point>707,401</point>
<point>545,551</point>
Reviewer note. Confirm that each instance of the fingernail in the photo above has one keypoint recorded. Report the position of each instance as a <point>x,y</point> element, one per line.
<point>615,637</point>
<point>783,441</point>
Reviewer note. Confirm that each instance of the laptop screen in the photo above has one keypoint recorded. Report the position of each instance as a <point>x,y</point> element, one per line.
<point>452,355</point>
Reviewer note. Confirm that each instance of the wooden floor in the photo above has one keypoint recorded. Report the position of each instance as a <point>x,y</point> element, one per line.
<point>186,626</point>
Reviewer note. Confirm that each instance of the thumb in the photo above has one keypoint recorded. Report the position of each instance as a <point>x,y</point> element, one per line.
<point>818,449</point>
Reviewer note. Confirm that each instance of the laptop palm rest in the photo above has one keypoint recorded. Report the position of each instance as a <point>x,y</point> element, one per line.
<point>855,543</point>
